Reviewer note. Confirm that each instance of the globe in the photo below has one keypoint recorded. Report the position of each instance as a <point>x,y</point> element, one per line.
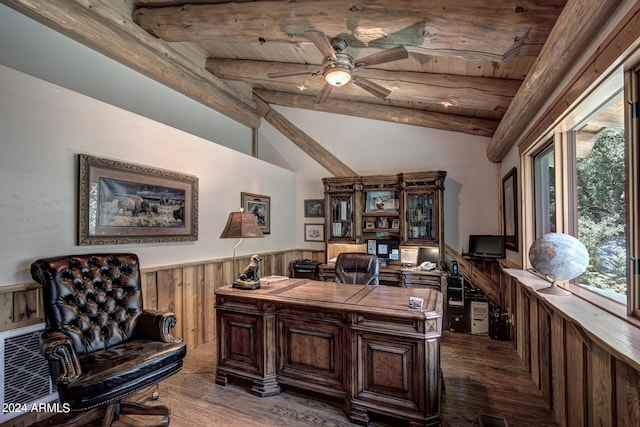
<point>559,257</point>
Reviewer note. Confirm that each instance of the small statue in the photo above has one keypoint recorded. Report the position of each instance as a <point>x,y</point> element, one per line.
<point>249,278</point>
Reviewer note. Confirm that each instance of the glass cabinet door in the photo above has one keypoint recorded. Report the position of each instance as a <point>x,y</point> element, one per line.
<point>341,221</point>
<point>419,217</point>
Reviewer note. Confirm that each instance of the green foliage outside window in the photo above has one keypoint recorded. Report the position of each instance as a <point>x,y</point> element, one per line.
<point>601,212</point>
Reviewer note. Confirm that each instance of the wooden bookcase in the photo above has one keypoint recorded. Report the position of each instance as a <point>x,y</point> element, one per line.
<point>403,206</point>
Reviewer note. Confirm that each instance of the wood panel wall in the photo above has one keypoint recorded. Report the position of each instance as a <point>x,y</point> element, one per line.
<point>184,289</point>
<point>585,382</point>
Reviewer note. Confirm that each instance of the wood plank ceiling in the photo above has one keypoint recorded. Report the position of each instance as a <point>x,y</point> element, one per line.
<point>467,59</point>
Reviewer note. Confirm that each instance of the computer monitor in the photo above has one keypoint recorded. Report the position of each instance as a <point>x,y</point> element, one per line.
<point>388,249</point>
<point>486,246</point>
<point>431,254</point>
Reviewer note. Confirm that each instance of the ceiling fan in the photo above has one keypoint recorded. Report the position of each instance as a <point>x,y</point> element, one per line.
<point>338,68</point>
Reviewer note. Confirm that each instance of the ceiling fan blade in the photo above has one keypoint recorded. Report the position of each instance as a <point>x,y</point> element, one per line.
<point>371,87</point>
<point>322,43</point>
<point>393,54</point>
<point>324,93</point>
<point>289,73</point>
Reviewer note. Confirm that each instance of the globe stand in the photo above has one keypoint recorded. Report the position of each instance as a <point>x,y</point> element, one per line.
<point>554,289</point>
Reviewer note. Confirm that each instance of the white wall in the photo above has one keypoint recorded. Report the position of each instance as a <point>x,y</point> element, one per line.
<point>367,146</point>
<point>375,147</point>
<point>29,46</point>
<point>45,126</point>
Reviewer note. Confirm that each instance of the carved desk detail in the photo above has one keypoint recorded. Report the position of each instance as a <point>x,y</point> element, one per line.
<point>359,343</point>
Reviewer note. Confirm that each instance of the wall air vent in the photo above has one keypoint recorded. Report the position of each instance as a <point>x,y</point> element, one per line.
<point>24,377</point>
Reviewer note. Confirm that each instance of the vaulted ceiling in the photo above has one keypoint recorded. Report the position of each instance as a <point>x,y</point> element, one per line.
<point>462,63</point>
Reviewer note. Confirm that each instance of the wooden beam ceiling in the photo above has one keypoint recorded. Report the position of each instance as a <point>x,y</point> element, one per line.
<point>567,41</point>
<point>518,29</point>
<point>407,116</point>
<point>467,29</point>
<point>307,144</point>
<point>445,89</point>
<point>103,28</point>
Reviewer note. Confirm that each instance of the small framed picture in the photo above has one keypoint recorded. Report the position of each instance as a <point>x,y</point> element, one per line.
<point>370,224</point>
<point>383,222</point>
<point>395,223</point>
<point>260,206</point>
<point>314,208</point>
<point>314,232</point>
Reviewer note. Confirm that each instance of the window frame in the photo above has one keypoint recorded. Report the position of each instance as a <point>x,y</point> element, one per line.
<point>548,146</point>
<point>560,135</point>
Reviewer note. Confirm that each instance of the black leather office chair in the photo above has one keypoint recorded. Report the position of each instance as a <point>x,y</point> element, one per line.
<point>357,268</point>
<point>100,343</point>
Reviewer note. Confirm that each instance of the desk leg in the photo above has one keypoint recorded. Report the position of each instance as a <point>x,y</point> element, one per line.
<point>356,413</point>
<point>265,387</point>
<point>222,378</point>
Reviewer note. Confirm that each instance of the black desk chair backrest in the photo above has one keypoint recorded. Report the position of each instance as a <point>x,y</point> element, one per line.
<point>357,268</point>
<point>100,343</point>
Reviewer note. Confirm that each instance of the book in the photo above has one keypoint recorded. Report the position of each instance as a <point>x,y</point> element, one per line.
<point>271,279</point>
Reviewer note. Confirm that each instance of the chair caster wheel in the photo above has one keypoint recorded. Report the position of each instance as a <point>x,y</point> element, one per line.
<point>165,421</point>
<point>155,395</point>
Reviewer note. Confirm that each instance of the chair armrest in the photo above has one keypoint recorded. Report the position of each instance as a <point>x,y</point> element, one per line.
<point>156,325</point>
<point>58,349</point>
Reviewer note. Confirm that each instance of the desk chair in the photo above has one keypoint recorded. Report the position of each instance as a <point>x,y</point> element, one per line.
<point>357,268</point>
<point>100,343</point>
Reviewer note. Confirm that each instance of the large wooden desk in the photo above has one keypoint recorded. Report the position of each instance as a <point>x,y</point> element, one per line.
<point>360,343</point>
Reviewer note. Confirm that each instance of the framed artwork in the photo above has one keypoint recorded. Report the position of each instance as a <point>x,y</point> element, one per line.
<point>383,222</point>
<point>314,232</point>
<point>395,224</point>
<point>510,210</point>
<point>122,203</point>
<point>378,201</point>
<point>314,208</point>
<point>409,255</point>
<point>260,206</point>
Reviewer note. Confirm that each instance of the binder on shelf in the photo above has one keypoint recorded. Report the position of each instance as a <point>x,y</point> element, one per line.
<point>343,210</point>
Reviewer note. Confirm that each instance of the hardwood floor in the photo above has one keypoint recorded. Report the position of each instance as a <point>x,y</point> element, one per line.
<point>482,376</point>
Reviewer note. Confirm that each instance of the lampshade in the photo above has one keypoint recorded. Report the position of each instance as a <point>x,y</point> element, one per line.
<point>337,76</point>
<point>241,225</point>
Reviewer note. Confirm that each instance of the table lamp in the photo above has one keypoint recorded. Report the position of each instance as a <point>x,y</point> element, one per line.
<point>242,225</point>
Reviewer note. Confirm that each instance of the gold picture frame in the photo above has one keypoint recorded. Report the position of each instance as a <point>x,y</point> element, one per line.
<point>123,203</point>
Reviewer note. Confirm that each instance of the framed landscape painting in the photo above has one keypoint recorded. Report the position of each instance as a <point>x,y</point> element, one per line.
<point>314,208</point>
<point>122,203</point>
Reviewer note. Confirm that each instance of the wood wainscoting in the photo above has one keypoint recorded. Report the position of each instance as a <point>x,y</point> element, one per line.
<point>585,362</point>
<point>184,289</point>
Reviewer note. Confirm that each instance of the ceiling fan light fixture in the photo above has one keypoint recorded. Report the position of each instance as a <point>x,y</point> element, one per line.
<point>338,76</point>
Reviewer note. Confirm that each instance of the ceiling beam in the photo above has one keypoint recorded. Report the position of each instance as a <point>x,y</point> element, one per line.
<point>407,116</point>
<point>567,41</point>
<point>100,26</point>
<point>514,30</point>
<point>307,144</point>
<point>480,93</point>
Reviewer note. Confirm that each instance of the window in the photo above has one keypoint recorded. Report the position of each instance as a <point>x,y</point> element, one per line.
<point>544,190</point>
<point>599,208</point>
<point>585,183</point>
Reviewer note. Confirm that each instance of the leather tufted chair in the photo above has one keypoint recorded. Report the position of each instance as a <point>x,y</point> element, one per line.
<point>100,343</point>
<point>357,268</point>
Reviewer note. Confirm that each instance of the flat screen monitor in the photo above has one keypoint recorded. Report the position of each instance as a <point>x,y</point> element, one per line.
<point>388,249</point>
<point>428,254</point>
<point>486,246</point>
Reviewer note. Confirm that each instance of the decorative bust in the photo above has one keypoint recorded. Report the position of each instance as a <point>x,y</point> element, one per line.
<point>249,278</point>
<point>379,203</point>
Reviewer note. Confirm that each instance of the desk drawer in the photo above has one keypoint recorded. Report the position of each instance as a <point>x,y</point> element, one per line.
<point>415,279</point>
